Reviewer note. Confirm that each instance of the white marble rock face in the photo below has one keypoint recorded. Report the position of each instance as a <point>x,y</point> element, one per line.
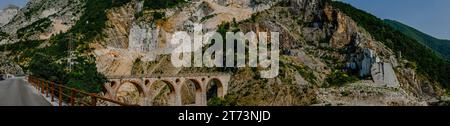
<point>7,14</point>
<point>39,9</point>
<point>383,73</point>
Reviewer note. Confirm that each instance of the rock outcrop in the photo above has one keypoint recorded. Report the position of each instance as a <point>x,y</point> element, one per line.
<point>62,13</point>
<point>8,67</point>
<point>315,39</point>
<point>383,73</point>
<point>7,14</point>
<point>310,30</point>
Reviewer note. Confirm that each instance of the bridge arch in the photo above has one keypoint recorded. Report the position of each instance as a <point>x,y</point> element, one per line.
<point>129,91</point>
<point>135,83</point>
<point>157,92</point>
<point>198,91</point>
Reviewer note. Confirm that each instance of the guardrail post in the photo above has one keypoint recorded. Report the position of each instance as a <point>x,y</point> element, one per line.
<point>52,93</point>
<point>72,97</point>
<point>93,99</point>
<point>46,88</point>
<point>60,92</point>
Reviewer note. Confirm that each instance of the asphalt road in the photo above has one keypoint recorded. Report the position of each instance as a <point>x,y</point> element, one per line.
<point>17,92</point>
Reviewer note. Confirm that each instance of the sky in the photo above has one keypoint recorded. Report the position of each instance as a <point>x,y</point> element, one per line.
<point>429,16</point>
<point>5,3</point>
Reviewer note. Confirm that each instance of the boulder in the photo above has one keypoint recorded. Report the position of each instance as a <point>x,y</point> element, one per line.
<point>383,73</point>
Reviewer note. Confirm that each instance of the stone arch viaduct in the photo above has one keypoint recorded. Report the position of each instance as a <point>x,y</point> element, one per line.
<point>175,84</point>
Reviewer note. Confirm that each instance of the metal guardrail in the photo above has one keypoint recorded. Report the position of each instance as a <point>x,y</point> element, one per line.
<point>70,96</point>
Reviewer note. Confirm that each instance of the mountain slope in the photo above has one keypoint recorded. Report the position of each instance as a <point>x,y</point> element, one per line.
<point>7,14</point>
<point>330,53</point>
<point>439,45</point>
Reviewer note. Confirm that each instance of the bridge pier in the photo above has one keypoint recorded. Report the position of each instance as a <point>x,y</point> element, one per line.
<point>200,98</point>
<point>177,98</point>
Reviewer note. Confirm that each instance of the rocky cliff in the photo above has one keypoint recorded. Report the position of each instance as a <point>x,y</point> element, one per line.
<point>40,19</point>
<point>8,67</point>
<point>7,14</point>
<point>315,36</point>
<point>327,59</point>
